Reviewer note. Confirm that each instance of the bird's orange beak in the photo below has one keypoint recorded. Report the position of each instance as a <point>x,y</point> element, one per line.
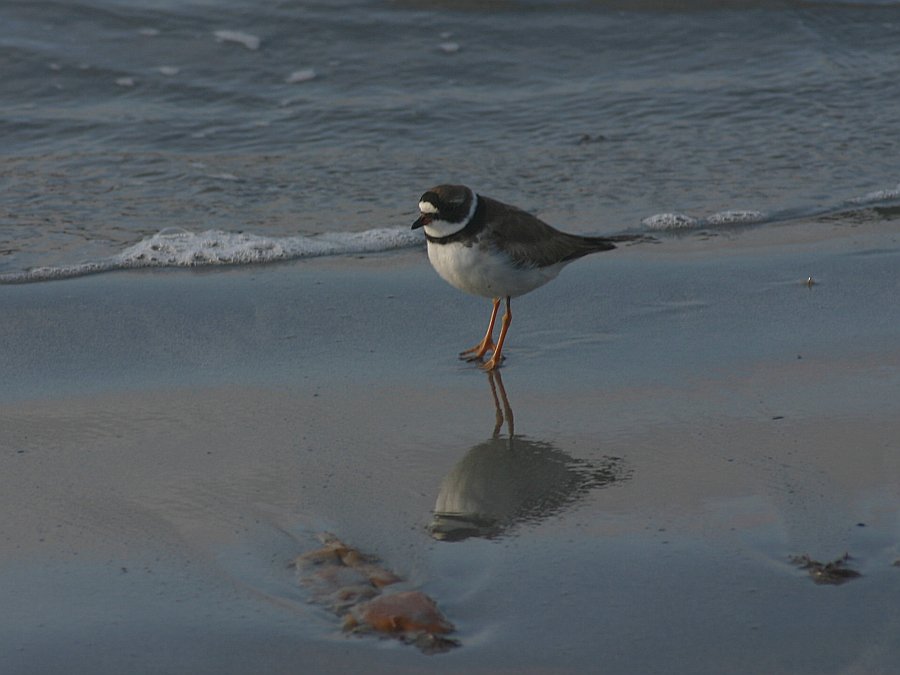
<point>421,221</point>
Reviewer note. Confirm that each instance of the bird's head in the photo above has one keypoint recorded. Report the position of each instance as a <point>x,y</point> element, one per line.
<point>446,209</point>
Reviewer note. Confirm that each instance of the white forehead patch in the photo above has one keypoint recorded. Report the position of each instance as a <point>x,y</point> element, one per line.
<point>427,207</point>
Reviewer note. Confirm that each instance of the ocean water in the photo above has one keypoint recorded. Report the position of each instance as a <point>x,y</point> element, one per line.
<point>204,132</point>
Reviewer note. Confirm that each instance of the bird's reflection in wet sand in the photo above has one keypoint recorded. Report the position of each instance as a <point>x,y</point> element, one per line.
<point>510,479</point>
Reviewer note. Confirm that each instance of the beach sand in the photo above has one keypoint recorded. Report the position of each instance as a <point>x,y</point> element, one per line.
<point>688,416</point>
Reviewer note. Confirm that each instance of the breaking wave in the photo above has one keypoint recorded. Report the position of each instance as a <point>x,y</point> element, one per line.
<point>677,222</point>
<point>174,247</point>
<point>179,248</point>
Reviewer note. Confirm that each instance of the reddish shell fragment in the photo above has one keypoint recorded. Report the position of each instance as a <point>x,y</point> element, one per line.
<point>350,583</point>
<point>406,612</point>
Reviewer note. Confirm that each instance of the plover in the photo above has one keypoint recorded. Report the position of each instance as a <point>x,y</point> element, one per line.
<point>488,248</point>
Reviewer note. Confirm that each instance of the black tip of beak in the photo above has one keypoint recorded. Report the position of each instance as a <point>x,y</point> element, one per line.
<point>421,221</point>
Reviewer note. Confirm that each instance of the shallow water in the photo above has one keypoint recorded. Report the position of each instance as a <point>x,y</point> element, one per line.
<point>697,413</point>
<point>301,118</point>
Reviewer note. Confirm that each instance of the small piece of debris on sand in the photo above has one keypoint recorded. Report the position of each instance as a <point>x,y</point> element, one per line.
<point>835,572</point>
<point>352,585</point>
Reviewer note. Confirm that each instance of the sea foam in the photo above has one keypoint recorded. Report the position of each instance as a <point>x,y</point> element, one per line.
<point>175,247</point>
<point>878,196</point>
<point>676,222</point>
<point>662,222</point>
<point>251,42</point>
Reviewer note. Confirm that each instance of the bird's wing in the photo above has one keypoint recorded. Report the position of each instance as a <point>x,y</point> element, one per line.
<point>530,242</point>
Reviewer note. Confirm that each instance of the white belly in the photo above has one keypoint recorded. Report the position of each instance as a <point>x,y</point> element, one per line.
<point>482,272</point>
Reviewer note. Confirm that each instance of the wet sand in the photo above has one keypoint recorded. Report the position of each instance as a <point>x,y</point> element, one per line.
<point>687,417</point>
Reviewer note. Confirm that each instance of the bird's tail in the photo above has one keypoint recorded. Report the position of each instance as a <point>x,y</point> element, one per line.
<point>608,243</point>
<point>578,246</point>
<point>630,239</point>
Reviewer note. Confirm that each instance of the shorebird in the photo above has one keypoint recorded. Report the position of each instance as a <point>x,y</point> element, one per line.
<point>488,248</point>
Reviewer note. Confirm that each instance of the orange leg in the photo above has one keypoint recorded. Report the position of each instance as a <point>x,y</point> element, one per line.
<point>496,357</point>
<point>477,352</point>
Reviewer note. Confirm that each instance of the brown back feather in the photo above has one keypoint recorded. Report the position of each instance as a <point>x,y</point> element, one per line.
<point>531,242</point>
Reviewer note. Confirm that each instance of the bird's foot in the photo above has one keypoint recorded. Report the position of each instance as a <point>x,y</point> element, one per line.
<point>477,352</point>
<point>493,363</point>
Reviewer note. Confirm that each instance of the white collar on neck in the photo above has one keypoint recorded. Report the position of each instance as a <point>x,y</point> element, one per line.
<point>443,228</point>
